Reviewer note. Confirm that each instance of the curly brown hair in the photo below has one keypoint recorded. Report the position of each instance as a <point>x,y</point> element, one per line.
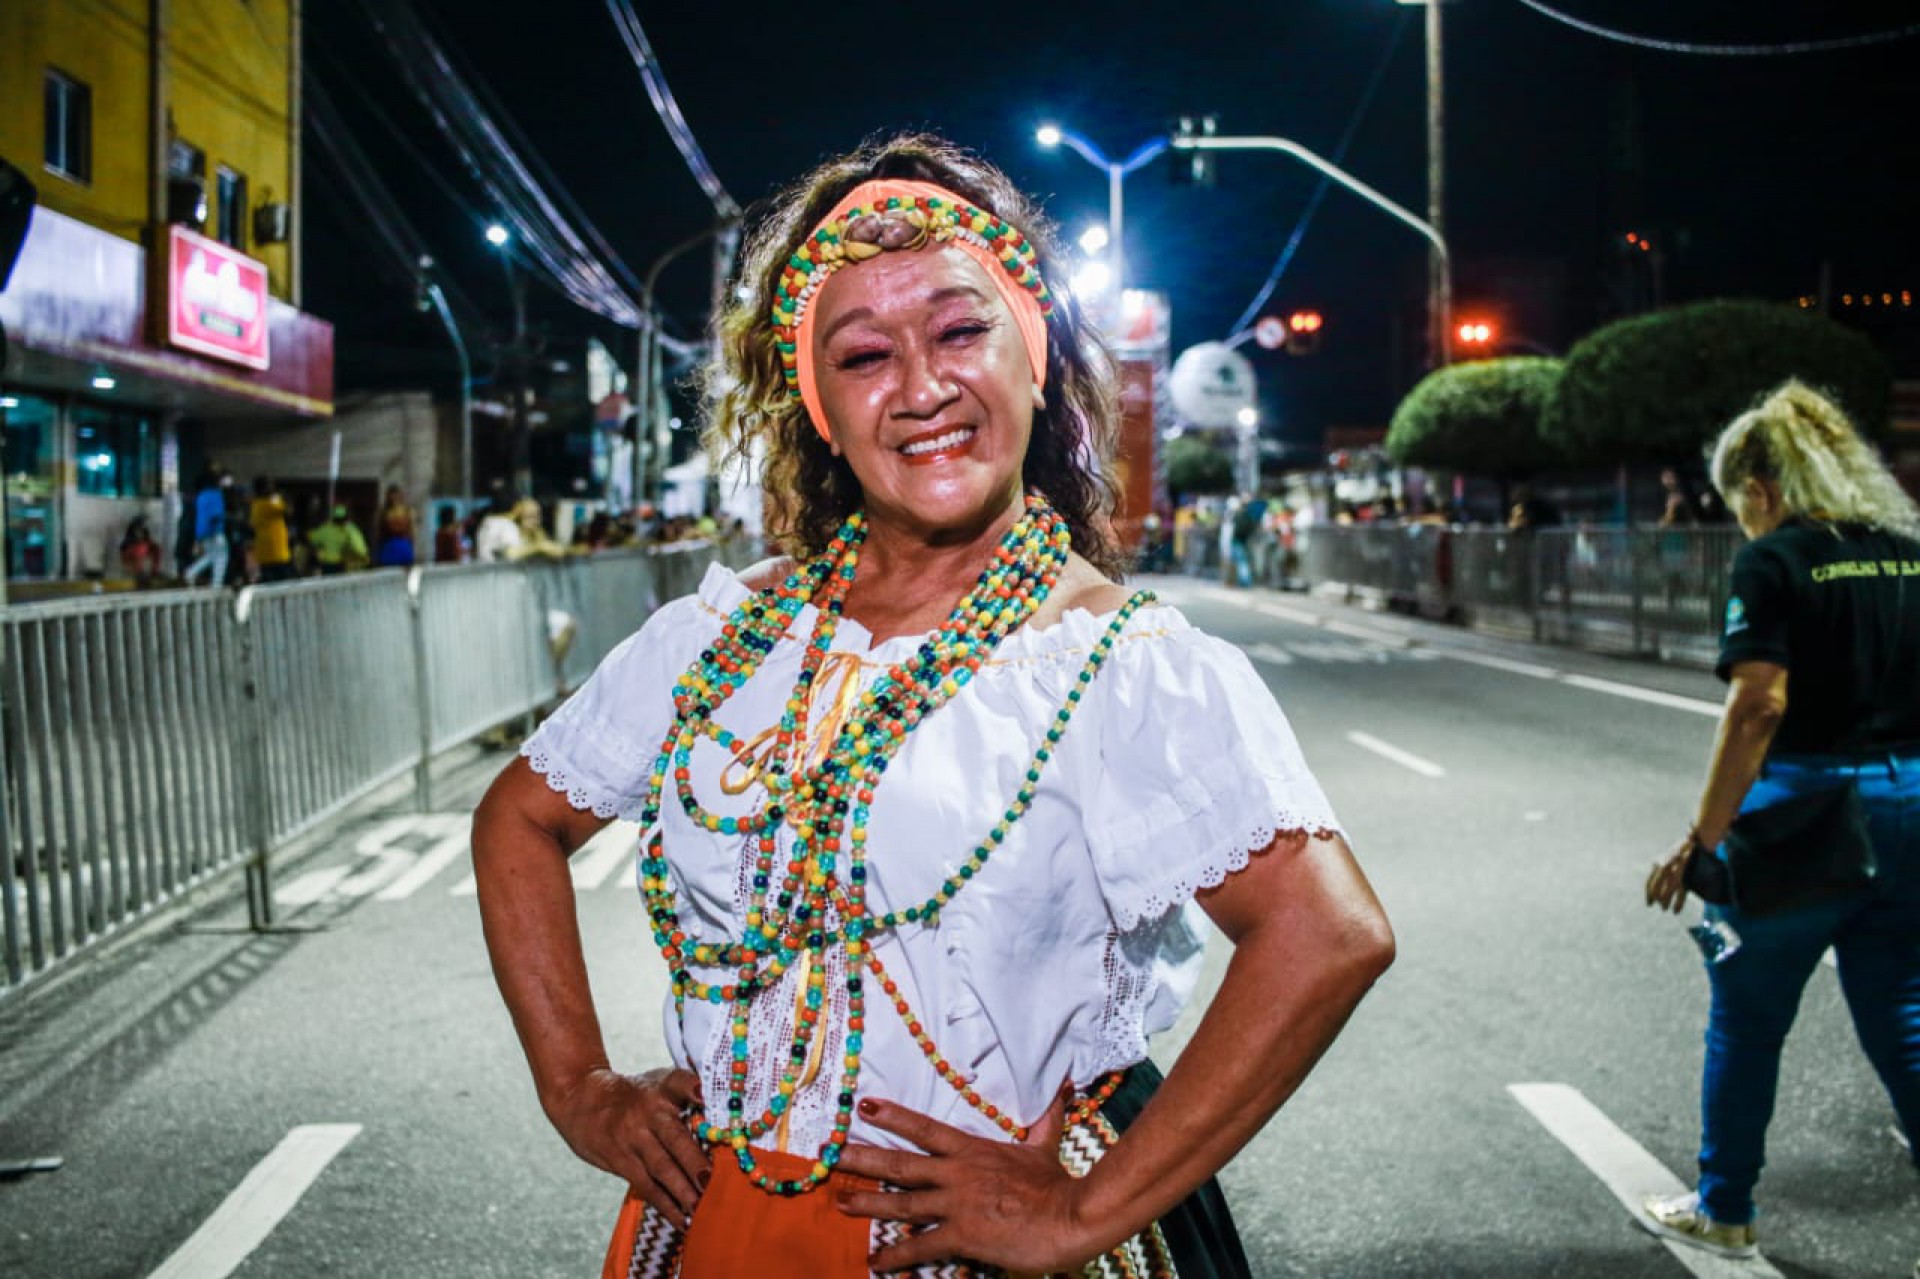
<point>810,492</point>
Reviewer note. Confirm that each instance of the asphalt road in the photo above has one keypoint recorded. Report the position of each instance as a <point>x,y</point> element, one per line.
<point>351,1101</point>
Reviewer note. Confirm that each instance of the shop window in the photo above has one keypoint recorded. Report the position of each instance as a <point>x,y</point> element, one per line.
<point>232,199</point>
<point>32,448</point>
<point>69,114</point>
<point>116,453</point>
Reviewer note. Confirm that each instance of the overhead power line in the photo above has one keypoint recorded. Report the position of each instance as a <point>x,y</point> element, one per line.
<point>628,24</point>
<point>555,246</point>
<point>1725,50</point>
<point>1320,191</point>
<point>404,243</point>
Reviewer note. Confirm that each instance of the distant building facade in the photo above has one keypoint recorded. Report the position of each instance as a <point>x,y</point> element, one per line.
<point>158,286</point>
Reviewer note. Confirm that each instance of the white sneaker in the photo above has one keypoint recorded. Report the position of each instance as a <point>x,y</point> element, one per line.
<point>1681,1217</point>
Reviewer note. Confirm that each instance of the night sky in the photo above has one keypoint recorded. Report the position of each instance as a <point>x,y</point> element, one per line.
<point>1750,171</point>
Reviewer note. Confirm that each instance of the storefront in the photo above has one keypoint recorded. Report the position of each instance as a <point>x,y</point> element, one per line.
<point>116,366</point>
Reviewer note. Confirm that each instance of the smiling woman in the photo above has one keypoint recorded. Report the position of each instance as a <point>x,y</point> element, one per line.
<point>929,808</point>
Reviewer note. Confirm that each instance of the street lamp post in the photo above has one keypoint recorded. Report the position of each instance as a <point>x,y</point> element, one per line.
<point>432,296</point>
<point>1052,135</point>
<point>646,374</point>
<point>1443,297</point>
<point>502,239</point>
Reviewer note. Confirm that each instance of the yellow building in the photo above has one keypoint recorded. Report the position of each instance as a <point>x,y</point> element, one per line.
<point>158,284</point>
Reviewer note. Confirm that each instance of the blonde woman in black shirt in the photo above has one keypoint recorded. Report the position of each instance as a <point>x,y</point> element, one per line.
<point>1822,652</point>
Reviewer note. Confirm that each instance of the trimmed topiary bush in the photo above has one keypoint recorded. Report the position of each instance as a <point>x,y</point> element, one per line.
<point>1659,387</point>
<point>1482,417</point>
<point>1196,466</point>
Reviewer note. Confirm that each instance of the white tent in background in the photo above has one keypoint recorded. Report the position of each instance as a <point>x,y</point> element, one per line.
<point>684,490</point>
<point>740,495</point>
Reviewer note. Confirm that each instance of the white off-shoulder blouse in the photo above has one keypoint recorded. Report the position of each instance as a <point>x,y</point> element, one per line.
<point>1075,943</point>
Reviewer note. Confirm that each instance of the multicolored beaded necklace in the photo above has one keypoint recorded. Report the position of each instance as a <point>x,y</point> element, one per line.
<point>827,804</point>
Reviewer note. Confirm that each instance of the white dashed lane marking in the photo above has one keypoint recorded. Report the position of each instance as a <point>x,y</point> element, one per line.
<point>258,1204</point>
<point>1406,759</point>
<point>1272,654</point>
<point>1625,1168</point>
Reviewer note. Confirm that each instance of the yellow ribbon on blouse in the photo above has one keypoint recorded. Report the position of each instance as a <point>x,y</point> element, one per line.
<point>841,672</point>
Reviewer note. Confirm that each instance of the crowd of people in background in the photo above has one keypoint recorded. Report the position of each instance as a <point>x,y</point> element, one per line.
<point>1248,538</point>
<point>226,540</point>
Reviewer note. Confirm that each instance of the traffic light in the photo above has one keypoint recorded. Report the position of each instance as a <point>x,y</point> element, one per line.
<point>1193,168</point>
<point>1478,334</point>
<point>1303,332</point>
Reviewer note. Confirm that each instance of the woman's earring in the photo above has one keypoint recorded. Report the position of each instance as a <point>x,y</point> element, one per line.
<point>1039,400</point>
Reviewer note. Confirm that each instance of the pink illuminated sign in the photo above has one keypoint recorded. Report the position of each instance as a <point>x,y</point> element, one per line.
<point>216,299</point>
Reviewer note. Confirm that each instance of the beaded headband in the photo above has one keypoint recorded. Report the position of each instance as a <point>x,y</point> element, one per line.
<point>875,217</point>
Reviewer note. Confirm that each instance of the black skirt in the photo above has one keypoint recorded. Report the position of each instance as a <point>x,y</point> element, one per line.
<point>1199,1235</point>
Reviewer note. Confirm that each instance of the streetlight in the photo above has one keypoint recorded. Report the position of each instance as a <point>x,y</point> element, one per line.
<point>1052,135</point>
<point>647,378</point>
<point>502,239</point>
<point>1093,279</point>
<point>1443,297</point>
<point>432,297</point>
<point>1094,239</point>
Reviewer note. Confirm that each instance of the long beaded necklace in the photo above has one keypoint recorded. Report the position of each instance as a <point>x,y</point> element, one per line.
<point>828,805</point>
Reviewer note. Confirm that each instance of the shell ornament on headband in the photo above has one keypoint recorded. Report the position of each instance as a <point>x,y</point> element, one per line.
<point>904,222</point>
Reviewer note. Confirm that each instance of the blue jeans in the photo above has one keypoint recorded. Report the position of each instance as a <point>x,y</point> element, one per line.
<point>1875,935</point>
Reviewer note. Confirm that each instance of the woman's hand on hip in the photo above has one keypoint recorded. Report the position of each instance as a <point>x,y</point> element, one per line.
<point>1005,1204</point>
<point>1667,881</point>
<point>633,1126</point>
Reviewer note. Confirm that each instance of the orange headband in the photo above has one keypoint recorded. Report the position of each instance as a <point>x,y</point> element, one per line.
<point>898,214</point>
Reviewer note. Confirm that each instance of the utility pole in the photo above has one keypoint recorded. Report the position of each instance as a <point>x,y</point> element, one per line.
<point>1439,278</point>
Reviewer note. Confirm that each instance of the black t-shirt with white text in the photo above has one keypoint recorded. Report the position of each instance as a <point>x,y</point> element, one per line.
<point>1838,605</point>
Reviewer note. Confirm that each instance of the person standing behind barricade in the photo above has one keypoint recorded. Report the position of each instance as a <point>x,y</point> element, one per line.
<point>272,549</point>
<point>209,529</point>
<point>338,545</point>
<point>308,515</point>
<point>395,530</point>
<point>498,535</point>
<point>448,546</point>
<point>1818,754</point>
<point>139,553</point>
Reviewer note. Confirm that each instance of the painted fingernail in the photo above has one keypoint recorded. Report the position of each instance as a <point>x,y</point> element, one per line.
<point>869,1107</point>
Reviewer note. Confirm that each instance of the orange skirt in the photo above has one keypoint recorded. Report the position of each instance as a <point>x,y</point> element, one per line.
<point>739,1229</point>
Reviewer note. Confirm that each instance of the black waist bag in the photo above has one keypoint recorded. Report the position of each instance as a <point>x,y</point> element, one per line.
<point>1800,852</point>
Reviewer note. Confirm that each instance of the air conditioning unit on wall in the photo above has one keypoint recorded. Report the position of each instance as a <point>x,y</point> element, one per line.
<point>272,223</point>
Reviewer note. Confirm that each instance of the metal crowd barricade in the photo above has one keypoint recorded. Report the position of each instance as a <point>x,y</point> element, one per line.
<point>1395,564</point>
<point>154,740</point>
<point>332,660</point>
<point>1655,591</point>
<point>486,637</point>
<point>119,765</point>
